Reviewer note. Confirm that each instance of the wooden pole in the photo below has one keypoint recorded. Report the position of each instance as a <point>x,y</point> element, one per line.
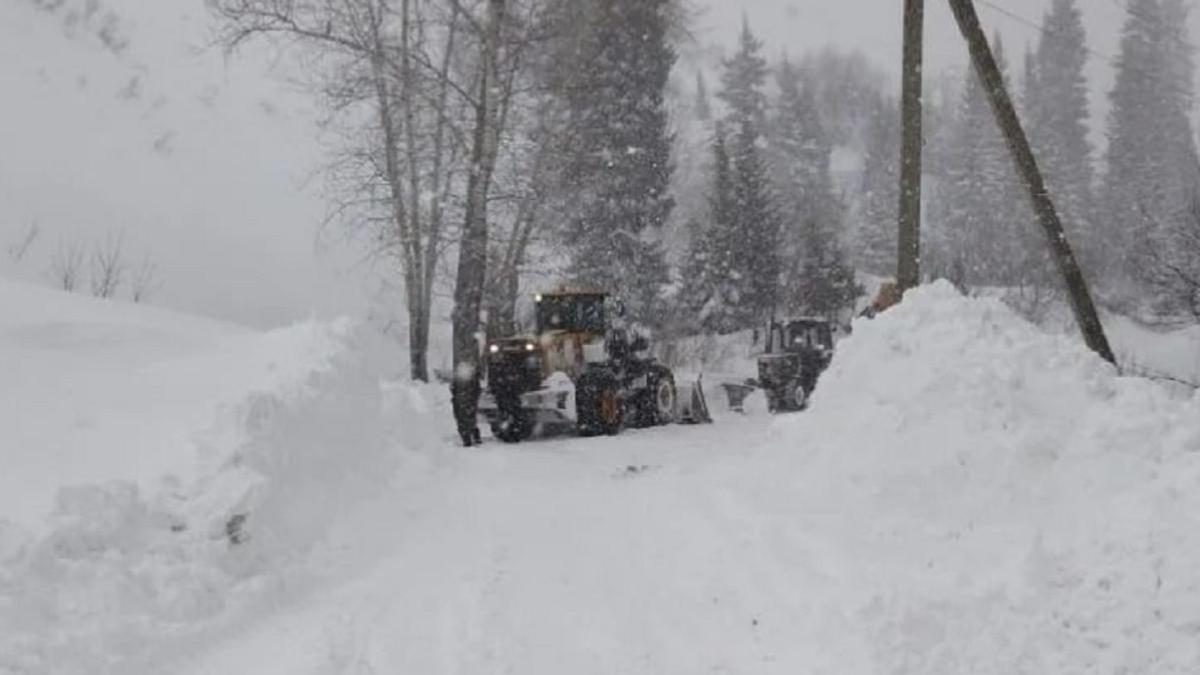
<point>1018,145</point>
<point>908,267</point>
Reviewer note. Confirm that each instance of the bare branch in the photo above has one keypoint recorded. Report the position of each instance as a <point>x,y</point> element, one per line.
<point>65,265</point>
<point>108,267</point>
<point>19,248</point>
<point>143,280</point>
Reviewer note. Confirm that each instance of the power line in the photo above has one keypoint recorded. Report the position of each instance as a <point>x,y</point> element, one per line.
<point>1109,60</point>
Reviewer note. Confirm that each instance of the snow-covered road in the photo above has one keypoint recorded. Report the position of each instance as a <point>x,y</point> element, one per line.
<point>602,555</point>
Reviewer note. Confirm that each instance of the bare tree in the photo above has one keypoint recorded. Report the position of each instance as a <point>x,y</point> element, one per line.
<point>66,265</point>
<point>394,79</point>
<point>1175,269</point>
<point>20,247</point>
<point>143,280</point>
<point>402,81</point>
<point>108,266</point>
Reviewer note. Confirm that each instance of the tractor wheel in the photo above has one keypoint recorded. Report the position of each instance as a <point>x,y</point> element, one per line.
<point>797,396</point>
<point>598,405</point>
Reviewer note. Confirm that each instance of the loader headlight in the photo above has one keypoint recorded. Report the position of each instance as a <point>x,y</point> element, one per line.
<point>529,346</point>
<point>495,349</point>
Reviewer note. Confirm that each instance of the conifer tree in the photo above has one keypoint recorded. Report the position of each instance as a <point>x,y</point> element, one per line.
<point>743,79</point>
<point>825,283</point>
<point>620,168</point>
<point>800,152</point>
<point>1057,108</point>
<point>1151,159</point>
<point>985,216</point>
<point>875,234</point>
<point>756,257</point>
<point>712,283</point>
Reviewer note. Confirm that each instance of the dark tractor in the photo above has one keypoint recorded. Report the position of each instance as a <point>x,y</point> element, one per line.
<point>577,369</point>
<point>798,351</point>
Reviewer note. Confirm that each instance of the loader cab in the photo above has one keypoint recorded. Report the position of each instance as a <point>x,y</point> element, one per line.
<point>572,313</point>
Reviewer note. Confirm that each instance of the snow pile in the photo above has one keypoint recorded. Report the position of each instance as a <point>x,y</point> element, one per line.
<point>126,567</point>
<point>1000,500</point>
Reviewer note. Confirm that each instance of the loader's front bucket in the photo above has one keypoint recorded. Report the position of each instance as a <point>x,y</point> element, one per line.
<point>693,407</point>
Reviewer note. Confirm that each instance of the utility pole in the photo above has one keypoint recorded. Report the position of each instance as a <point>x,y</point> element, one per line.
<point>1018,145</point>
<point>908,267</point>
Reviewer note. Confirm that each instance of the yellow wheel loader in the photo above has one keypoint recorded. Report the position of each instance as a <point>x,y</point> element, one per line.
<point>580,368</point>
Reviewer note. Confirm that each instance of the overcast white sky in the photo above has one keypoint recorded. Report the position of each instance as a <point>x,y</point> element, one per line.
<point>208,165</point>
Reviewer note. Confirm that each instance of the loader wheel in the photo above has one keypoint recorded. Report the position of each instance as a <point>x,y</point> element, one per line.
<point>513,428</point>
<point>598,405</point>
<point>513,424</point>
<point>656,405</point>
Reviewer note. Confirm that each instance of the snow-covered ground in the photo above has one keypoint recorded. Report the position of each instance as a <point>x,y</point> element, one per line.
<point>967,494</point>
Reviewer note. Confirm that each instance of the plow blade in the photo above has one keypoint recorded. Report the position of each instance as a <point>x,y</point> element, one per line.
<point>693,407</point>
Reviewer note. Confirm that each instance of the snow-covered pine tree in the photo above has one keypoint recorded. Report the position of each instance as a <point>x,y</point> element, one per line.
<point>800,156</point>
<point>712,281</point>
<point>756,255</point>
<point>752,239</point>
<point>620,167</point>
<point>800,153</point>
<point>1056,106</point>
<point>824,281</point>
<point>875,228</point>
<point>1175,275</point>
<point>985,215</point>
<point>743,78</point>
<point>1151,160</point>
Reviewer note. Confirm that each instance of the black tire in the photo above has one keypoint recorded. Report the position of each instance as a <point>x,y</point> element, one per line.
<point>598,406</point>
<point>513,424</point>
<point>657,404</point>
<point>796,396</point>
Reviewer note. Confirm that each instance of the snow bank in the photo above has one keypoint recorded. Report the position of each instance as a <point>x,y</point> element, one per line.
<point>124,567</point>
<point>1003,501</point>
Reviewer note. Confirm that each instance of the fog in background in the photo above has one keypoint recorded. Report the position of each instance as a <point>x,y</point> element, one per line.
<point>212,167</point>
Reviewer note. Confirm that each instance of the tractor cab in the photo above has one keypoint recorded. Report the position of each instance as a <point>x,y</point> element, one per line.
<point>798,351</point>
<point>803,335</point>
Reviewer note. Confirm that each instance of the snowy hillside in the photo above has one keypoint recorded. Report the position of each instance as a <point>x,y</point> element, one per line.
<point>966,494</point>
<point>203,163</point>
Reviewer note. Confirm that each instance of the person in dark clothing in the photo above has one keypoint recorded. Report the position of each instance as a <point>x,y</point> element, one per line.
<point>464,397</point>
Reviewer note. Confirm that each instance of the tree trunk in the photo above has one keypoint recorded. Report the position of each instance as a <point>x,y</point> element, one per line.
<point>1018,144</point>
<point>419,298</point>
<point>472,254</point>
<point>908,268</point>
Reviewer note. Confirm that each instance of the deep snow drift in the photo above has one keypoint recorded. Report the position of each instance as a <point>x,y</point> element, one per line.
<point>966,495</point>
<point>138,444</point>
<point>1005,502</point>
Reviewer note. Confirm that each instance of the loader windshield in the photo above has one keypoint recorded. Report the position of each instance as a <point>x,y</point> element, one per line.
<point>574,313</point>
